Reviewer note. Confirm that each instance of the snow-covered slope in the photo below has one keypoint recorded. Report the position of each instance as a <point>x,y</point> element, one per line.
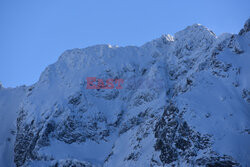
<point>185,101</point>
<point>10,100</point>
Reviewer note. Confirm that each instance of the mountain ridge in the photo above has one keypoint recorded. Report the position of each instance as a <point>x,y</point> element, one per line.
<point>177,91</point>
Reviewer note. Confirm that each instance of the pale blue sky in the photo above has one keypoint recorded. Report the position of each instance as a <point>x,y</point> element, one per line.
<point>33,33</point>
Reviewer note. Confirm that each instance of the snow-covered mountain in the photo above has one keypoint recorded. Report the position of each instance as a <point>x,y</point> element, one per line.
<point>185,102</point>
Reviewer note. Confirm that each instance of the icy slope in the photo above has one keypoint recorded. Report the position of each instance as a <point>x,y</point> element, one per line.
<point>185,101</point>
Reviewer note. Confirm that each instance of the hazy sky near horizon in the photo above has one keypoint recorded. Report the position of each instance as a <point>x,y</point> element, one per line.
<point>33,33</point>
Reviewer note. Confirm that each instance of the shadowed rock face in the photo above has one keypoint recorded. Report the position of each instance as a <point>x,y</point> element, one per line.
<point>184,102</point>
<point>177,141</point>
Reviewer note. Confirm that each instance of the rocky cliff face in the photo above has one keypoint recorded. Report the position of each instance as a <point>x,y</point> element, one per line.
<point>185,101</point>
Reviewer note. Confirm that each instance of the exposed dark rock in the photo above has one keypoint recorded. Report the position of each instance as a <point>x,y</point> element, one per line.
<point>70,163</point>
<point>246,27</point>
<point>176,140</point>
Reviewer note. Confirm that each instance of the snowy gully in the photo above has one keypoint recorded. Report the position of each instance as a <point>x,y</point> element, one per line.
<point>101,85</point>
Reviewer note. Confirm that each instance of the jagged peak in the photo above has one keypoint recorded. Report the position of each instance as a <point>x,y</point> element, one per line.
<point>246,27</point>
<point>194,36</point>
<point>195,30</point>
